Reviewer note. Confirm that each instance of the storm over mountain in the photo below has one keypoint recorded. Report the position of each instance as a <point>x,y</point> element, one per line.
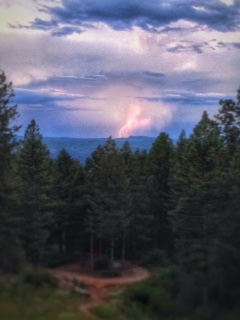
<point>82,148</point>
<point>89,69</point>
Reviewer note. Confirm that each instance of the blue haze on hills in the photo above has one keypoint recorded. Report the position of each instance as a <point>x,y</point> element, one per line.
<point>82,148</point>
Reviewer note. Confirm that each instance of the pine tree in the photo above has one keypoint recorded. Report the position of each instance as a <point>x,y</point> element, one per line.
<point>183,163</point>
<point>199,158</point>
<point>110,184</point>
<point>228,119</point>
<point>127,155</point>
<point>198,167</point>
<point>140,229</point>
<point>67,185</point>
<point>9,248</point>
<point>36,176</point>
<point>8,115</point>
<point>160,162</point>
<point>209,147</point>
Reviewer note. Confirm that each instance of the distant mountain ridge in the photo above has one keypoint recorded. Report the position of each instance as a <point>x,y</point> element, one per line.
<point>82,148</point>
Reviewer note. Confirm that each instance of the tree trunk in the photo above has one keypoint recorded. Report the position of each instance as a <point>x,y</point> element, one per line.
<point>123,248</point>
<point>60,242</point>
<point>64,241</point>
<point>112,254</point>
<point>205,290</point>
<point>155,231</point>
<point>91,253</point>
<point>100,244</point>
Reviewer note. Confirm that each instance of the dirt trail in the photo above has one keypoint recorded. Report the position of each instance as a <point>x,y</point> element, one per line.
<point>98,288</point>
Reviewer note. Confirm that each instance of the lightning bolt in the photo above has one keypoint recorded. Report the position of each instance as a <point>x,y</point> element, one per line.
<point>131,122</point>
<point>128,124</point>
<point>135,121</point>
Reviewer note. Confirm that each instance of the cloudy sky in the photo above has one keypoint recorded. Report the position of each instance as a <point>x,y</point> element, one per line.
<point>94,68</point>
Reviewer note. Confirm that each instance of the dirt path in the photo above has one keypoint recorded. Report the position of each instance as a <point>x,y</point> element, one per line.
<point>98,288</point>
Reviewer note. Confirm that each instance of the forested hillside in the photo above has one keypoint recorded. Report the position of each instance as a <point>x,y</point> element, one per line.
<point>174,207</point>
<point>81,149</point>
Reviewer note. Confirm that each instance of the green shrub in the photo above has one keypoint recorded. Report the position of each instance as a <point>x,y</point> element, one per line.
<point>160,302</point>
<point>171,272</point>
<point>155,258</point>
<point>106,312</point>
<point>101,263</point>
<point>133,312</point>
<point>55,259</point>
<point>11,255</point>
<point>140,293</point>
<point>150,299</point>
<point>39,278</point>
<point>190,292</point>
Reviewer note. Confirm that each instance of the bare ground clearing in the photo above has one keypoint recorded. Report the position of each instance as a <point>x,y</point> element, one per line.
<point>98,288</point>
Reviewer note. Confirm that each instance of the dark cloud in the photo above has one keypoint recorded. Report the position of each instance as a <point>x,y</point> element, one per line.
<point>62,90</point>
<point>71,84</point>
<point>221,44</point>
<point>186,99</point>
<point>169,29</point>
<point>202,46</point>
<point>65,31</point>
<point>38,24</point>
<point>148,15</point>
<point>154,74</point>
<point>90,86</point>
<point>55,108</point>
<point>236,45</point>
<point>38,97</point>
<point>198,48</point>
<point>54,92</point>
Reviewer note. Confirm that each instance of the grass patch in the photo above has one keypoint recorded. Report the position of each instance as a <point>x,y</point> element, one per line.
<point>110,310</point>
<point>107,312</point>
<point>27,301</point>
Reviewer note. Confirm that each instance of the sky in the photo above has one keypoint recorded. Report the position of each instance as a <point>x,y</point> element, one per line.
<point>95,68</point>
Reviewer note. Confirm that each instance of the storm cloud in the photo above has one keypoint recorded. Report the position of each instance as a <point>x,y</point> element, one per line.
<point>85,68</point>
<point>75,15</point>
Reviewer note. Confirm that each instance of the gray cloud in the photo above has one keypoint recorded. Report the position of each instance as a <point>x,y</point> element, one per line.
<point>168,29</point>
<point>52,93</point>
<point>65,31</point>
<point>236,45</point>
<point>125,14</point>
<point>76,86</point>
<point>55,108</point>
<point>38,97</point>
<point>198,48</point>
<point>186,98</point>
<point>62,89</point>
<point>154,74</point>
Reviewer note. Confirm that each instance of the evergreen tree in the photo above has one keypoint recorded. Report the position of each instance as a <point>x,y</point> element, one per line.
<point>36,176</point>
<point>160,164</point>
<point>110,184</point>
<point>9,248</point>
<point>199,159</point>
<point>183,162</point>
<point>67,189</point>
<point>8,143</point>
<point>127,155</point>
<point>140,229</point>
<point>228,118</point>
<point>198,167</point>
<point>209,147</point>
<point>225,258</point>
<point>93,202</point>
